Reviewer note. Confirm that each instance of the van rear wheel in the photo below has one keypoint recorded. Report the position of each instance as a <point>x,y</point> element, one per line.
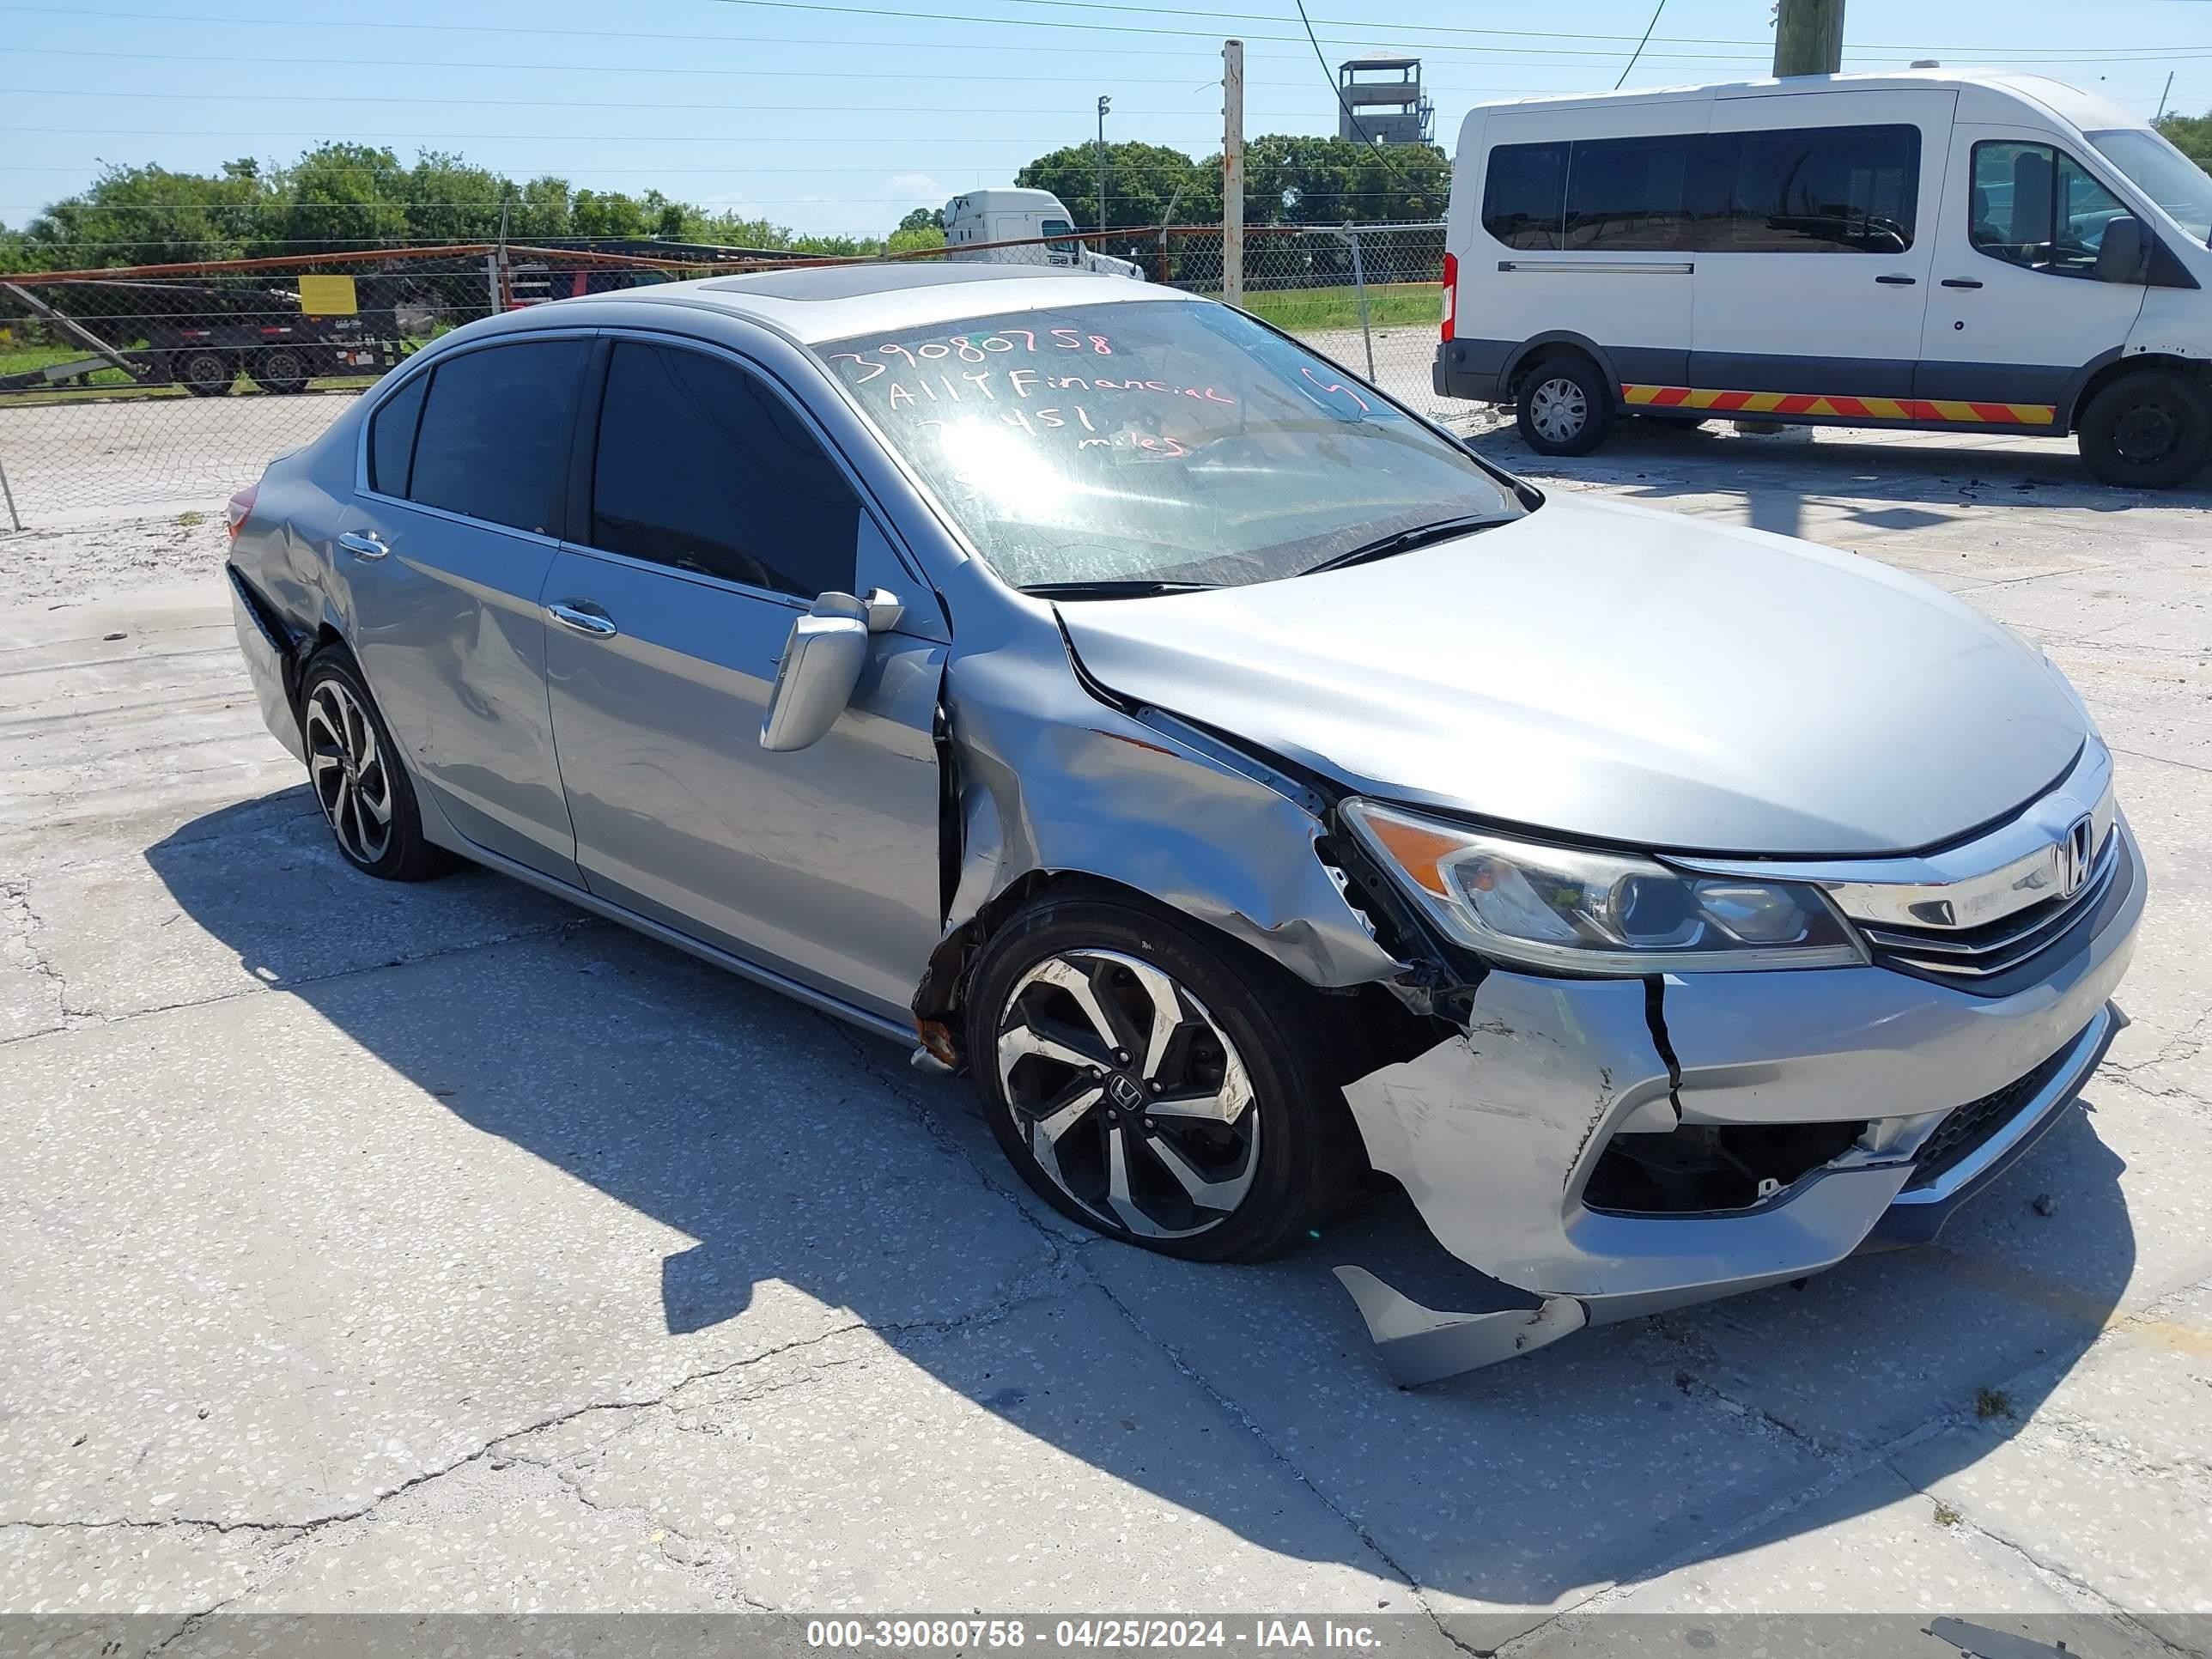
<point>1565,406</point>
<point>2150,429</point>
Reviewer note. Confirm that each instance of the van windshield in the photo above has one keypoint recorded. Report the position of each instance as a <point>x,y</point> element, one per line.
<point>2162,173</point>
<point>1174,442</point>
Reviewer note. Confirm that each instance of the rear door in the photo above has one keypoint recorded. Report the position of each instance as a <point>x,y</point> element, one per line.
<point>715,514</point>
<point>1589,238</point>
<point>1817,219</point>
<point>2017,309</point>
<point>439,568</point>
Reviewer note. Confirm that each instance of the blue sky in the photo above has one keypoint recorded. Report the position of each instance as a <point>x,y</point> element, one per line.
<point>839,117</point>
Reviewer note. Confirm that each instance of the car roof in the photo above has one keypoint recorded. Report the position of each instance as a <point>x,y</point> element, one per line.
<point>834,302</point>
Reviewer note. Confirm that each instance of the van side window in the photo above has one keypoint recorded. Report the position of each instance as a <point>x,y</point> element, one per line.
<point>701,468</point>
<point>1822,190</point>
<point>1524,197</point>
<point>493,443</point>
<point>1627,193</point>
<point>2036,207</point>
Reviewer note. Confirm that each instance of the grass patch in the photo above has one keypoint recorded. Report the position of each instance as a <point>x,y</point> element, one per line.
<point>188,520</point>
<point>1389,305</point>
<point>1945,1515</point>
<point>19,360</point>
<point>1991,1403</point>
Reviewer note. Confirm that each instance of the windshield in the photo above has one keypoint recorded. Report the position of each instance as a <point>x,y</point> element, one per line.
<point>2163,174</point>
<point>1061,246</point>
<point>1176,441</point>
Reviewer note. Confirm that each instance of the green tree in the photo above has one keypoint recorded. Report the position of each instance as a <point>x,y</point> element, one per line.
<point>923,219</point>
<point>146,215</point>
<point>1141,180</point>
<point>337,197</point>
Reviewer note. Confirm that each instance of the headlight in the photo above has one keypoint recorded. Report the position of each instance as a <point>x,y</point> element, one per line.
<point>1600,913</point>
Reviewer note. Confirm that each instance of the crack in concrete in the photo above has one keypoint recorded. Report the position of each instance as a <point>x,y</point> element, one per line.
<point>20,924</point>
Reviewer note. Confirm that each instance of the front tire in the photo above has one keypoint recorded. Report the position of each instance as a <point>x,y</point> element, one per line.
<point>280,369</point>
<point>2149,429</point>
<point>354,770</point>
<point>1565,406</point>
<point>1149,1088</point>
<point>203,373</point>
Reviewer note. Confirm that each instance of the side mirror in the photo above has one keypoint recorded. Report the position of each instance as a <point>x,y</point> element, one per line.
<point>821,664</point>
<point>2124,251</point>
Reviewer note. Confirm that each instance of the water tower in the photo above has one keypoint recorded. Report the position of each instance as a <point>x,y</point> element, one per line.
<point>1383,95</point>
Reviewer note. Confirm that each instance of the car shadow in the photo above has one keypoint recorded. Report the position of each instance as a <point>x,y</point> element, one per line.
<point>1776,477</point>
<point>626,1066</point>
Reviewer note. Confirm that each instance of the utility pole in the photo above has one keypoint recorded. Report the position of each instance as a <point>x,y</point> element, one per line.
<point>1232,171</point>
<point>1104,104</point>
<point>2162,97</point>
<point>1809,37</point>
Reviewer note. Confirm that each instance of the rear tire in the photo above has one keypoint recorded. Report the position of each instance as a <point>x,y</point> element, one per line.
<point>205,373</point>
<point>1565,406</point>
<point>1215,1136</point>
<point>354,770</point>
<point>2149,429</point>
<point>280,369</point>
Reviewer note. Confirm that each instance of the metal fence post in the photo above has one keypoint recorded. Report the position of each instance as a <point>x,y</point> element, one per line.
<point>1359,283</point>
<point>13,517</point>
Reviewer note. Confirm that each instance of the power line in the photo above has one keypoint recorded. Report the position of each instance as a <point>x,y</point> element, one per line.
<point>2059,55</point>
<point>1640,44</point>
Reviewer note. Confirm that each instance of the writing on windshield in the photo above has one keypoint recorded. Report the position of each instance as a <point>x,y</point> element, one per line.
<point>1170,441</point>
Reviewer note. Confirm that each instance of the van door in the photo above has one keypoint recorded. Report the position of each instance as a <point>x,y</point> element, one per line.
<point>1588,235</point>
<point>2017,310</point>
<point>1817,216</point>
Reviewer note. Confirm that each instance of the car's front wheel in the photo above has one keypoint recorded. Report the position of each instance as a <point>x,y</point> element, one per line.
<point>1149,1088</point>
<point>355,774</point>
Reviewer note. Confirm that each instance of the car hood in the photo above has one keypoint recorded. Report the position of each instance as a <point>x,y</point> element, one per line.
<point>1612,672</point>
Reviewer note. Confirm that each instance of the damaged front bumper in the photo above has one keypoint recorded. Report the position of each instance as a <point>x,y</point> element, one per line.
<point>1496,1132</point>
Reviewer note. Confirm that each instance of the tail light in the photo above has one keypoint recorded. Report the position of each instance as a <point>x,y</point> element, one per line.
<point>235,510</point>
<point>1451,291</point>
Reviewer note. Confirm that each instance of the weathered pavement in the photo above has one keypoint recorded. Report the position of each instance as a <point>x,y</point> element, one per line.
<point>366,1247</point>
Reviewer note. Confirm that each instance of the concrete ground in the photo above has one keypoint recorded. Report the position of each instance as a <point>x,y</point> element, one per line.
<point>368,1248</point>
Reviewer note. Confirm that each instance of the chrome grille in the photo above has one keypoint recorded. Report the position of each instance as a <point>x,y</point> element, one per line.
<point>1996,946</point>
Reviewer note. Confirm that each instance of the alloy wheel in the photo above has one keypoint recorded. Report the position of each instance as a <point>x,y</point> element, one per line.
<point>1559,409</point>
<point>346,768</point>
<point>1131,1098</point>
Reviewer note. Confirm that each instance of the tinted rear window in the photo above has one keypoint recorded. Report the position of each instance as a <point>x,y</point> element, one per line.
<point>494,442</point>
<point>1823,190</point>
<point>1525,194</point>
<point>1627,193</point>
<point>391,438</point>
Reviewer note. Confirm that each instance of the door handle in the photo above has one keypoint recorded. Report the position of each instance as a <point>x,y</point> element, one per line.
<point>584,622</point>
<point>1962,282</point>
<point>363,543</point>
<point>1898,282</point>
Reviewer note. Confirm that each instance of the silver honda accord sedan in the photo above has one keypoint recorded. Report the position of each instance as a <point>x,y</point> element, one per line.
<point>1252,788</point>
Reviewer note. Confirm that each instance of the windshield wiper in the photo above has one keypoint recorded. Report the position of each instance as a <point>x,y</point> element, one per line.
<point>1404,541</point>
<point>1117,588</point>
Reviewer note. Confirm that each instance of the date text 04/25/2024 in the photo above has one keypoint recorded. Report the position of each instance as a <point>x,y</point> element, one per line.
<point>1257,1634</point>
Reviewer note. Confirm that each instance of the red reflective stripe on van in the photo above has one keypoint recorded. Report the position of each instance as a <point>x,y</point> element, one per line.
<point>1639,395</point>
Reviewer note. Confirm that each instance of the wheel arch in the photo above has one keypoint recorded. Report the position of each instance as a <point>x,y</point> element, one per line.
<point>2107,367</point>
<point>1533,351</point>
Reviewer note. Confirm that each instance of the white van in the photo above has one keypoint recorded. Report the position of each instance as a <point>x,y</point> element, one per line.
<point>1955,252</point>
<point>1023,216</point>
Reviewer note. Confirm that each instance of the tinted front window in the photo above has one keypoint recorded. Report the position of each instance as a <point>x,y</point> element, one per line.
<point>703,468</point>
<point>391,438</point>
<point>1627,193</point>
<point>1170,440</point>
<point>1525,194</point>
<point>2035,206</point>
<point>1823,190</point>
<point>494,442</point>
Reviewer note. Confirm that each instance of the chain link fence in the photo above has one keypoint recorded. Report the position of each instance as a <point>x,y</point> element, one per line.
<point>164,390</point>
